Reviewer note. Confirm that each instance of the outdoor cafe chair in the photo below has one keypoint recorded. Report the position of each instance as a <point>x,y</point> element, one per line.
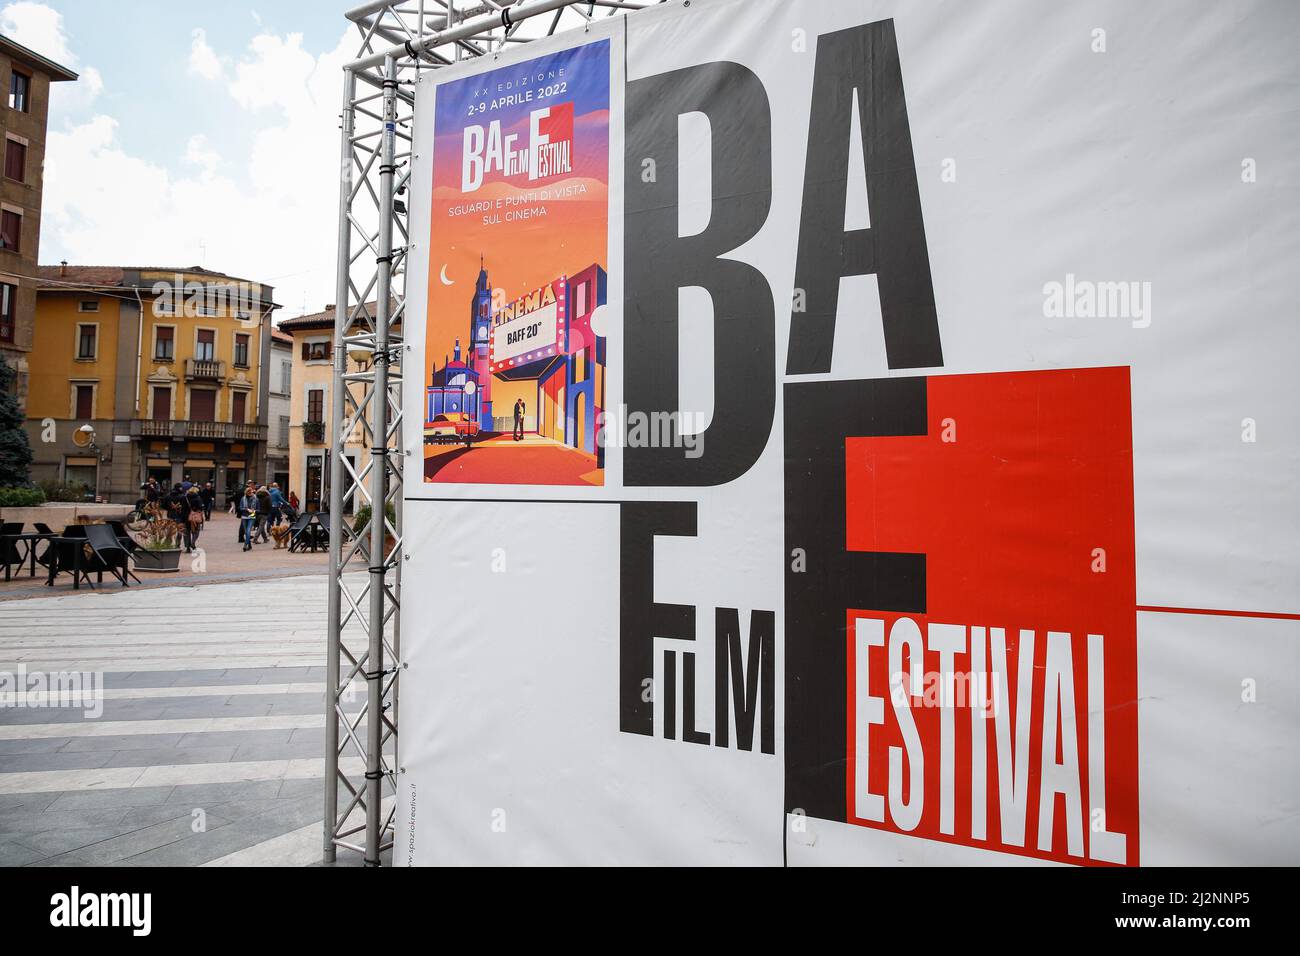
<point>20,547</point>
<point>66,555</point>
<point>44,556</point>
<point>109,552</point>
<point>9,553</point>
<point>296,529</point>
<point>123,536</point>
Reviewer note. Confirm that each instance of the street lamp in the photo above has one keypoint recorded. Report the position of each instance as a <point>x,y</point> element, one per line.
<point>84,437</point>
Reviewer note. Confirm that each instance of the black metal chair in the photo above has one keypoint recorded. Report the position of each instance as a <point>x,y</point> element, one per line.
<point>44,555</point>
<point>109,551</point>
<point>9,551</point>
<point>322,529</point>
<point>66,555</point>
<point>124,536</point>
<point>296,530</point>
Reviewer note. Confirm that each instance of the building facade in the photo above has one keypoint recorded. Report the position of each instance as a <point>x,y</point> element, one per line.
<point>23,120</point>
<point>311,410</point>
<point>280,415</point>
<point>143,372</point>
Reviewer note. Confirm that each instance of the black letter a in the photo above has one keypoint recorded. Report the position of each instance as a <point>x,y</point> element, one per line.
<point>862,60</point>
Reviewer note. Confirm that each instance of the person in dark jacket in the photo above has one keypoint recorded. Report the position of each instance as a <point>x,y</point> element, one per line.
<point>208,496</point>
<point>178,510</point>
<point>196,516</point>
<point>247,517</point>
<point>264,510</point>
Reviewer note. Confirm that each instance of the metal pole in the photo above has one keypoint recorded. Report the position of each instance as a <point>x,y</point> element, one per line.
<point>419,34</point>
<point>341,313</point>
<point>466,29</point>
<point>379,474</point>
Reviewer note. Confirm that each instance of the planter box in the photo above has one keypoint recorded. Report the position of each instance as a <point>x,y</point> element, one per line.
<point>163,561</point>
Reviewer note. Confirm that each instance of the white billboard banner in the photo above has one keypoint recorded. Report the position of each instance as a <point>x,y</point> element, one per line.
<point>914,480</point>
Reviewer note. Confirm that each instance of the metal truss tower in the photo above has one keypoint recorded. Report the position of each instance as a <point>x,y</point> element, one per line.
<point>397,42</point>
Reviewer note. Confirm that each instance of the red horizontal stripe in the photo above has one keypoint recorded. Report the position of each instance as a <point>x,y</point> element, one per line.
<point>1218,612</point>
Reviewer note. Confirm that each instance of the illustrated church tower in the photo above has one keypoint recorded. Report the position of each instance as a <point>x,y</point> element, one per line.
<point>480,331</point>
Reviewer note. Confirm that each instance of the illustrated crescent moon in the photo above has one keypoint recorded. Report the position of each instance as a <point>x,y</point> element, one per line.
<point>443,277</point>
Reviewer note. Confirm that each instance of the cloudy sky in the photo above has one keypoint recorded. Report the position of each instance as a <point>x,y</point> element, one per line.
<point>198,134</point>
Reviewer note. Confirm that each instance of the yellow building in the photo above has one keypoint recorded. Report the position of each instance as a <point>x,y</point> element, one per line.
<point>139,372</point>
<point>311,410</point>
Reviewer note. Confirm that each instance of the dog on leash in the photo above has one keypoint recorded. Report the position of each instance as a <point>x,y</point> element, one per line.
<point>281,535</point>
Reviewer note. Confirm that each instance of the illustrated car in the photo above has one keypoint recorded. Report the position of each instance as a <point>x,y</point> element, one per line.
<point>451,429</point>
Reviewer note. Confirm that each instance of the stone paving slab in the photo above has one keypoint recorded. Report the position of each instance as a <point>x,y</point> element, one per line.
<point>184,726</point>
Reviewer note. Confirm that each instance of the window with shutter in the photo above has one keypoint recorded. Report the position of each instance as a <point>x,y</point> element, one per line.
<point>206,347</point>
<point>20,85</point>
<point>203,405</point>
<point>239,408</point>
<point>8,305</point>
<point>85,402</point>
<point>11,230</point>
<point>87,336</point>
<point>15,160</point>
<point>164,343</point>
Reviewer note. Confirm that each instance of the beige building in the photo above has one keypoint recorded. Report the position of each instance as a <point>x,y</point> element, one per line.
<point>23,120</point>
<point>311,406</point>
<point>280,411</point>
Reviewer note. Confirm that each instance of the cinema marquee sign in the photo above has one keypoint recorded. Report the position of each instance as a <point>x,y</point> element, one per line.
<point>528,329</point>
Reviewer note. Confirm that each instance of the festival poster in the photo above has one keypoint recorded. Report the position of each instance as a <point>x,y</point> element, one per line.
<point>515,350</point>
<point>976,556</point>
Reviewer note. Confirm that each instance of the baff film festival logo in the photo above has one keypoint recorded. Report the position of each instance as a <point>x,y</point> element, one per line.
<point>978,527</point>
<point>547,151</point>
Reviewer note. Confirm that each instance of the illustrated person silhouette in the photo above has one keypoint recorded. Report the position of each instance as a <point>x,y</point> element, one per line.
<point>518,434</point>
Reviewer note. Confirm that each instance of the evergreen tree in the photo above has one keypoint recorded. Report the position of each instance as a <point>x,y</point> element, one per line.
<point>15,452</point>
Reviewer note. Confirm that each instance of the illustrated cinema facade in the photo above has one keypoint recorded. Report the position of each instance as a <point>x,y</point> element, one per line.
<point>540,348</point>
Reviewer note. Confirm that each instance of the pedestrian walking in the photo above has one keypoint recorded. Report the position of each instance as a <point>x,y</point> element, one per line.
<point>194,518</point>
<point>208,496</point>
<point>247,517</point>
<point>263,516</point>
<point>237,507</point>
<point>278,503</point>
<point>179,510</point>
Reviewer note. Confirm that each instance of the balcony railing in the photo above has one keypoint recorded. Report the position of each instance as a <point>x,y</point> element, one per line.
<point>222,431</point>
<point>313,433</point>
<point>202,370</point>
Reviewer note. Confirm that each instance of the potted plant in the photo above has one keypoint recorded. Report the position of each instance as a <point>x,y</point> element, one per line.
<point>160,542</point>
<point>362,518</point>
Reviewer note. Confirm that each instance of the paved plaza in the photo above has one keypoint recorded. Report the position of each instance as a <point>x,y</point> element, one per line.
<point>209,747</point>
<point>220,558</point>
